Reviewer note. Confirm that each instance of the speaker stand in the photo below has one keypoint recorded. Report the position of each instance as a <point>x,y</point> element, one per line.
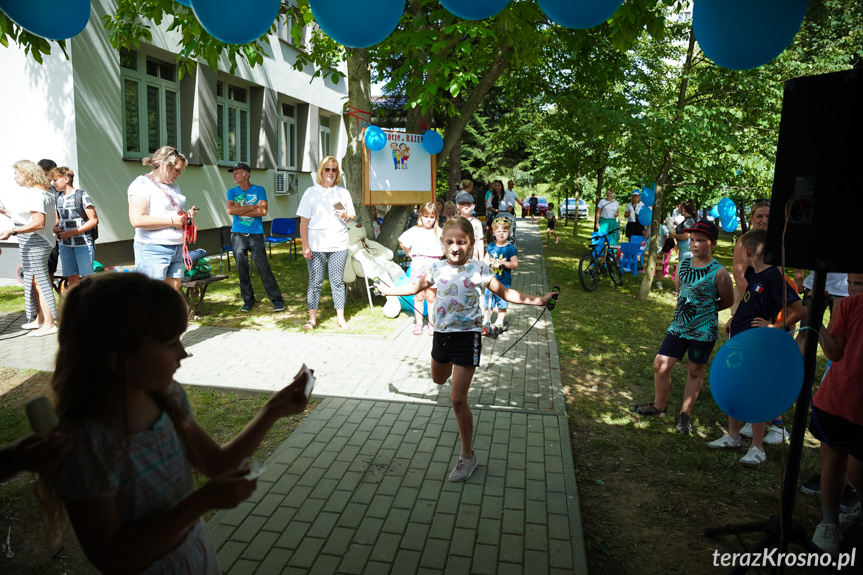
<point>781,530</point>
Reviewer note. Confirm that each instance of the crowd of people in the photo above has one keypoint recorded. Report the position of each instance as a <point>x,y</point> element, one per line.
<point>117,401</point>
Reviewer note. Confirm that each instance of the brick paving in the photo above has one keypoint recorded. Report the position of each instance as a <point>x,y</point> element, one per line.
<point>360,486</point>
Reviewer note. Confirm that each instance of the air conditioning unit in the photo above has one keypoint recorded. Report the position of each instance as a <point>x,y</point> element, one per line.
<point>286,183</point>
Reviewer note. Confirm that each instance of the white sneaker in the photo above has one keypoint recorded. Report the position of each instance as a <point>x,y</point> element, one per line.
<point>724,442</point>
<point>827,537</point>
<point>40,332</point>
<point>753,457</point>
<point>32,325</point>
<point>850,519</point>
<point>746,430</point>
<point>775,435</point>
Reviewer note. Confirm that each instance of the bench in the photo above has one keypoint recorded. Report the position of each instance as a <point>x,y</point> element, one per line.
<point>195,290</point>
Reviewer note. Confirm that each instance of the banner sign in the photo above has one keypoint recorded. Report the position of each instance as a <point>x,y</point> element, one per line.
<point>402,173</point>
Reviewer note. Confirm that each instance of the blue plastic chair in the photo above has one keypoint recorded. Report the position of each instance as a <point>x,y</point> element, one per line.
<point>641,242</point>
<point>225,246</point>
<point>283,230</point>
<point>631,254</point>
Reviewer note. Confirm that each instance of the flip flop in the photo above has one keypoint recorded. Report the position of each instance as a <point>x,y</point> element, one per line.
<point>308,326</point>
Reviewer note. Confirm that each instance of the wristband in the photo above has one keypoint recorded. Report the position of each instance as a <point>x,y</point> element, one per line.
<point>14,232</point>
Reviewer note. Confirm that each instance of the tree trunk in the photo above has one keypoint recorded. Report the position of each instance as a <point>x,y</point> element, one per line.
<point>662,179</point>
<point>600,179</point>
<point>454,167</point>
<point>359,96</point>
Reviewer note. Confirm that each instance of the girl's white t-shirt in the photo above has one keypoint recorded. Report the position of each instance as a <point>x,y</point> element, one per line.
<point>459,289</point>
<point>159,205</point>
<point>327,232</point>
<point>422,242</point>
<point>41,202</point>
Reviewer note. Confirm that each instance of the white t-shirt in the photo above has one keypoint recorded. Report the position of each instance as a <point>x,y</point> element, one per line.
<point>459,289</point>
<point>608,210</point>
<point>633,211</point>
<point>422,242</point>
<point>41,202</point>
<point>159,205</point>
<point>510,198</point>
<point>327,232</point>
<point>478,238</point>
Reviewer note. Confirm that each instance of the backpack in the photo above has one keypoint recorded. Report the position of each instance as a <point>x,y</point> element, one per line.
<point>79,205</point>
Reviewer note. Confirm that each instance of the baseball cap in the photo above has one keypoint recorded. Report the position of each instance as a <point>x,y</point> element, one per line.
<point>464,198</point>
<point>705,227</point>
<point>636,192</point>
<point>240,166</point>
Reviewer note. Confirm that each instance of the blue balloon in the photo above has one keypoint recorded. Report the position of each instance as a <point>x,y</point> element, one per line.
<point>358,25</point>
<point>645,216</point>
<point>432,142</point>
<point>580,13</point>
<point>475,9</point>
<point>407,301</point>
<point>375,139</point>
<point>231,23</point>
<point>757,374</point>
<point>51,19</point>
<point>715,212</point>
<point>730,223</point>
<point>647,195</point>
<point>742,34</point>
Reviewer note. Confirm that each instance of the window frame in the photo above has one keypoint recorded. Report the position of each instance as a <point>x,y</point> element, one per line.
<point>324,134</point>
<point>224,105</point>
<point>285,123</point>
<point>144,82</point>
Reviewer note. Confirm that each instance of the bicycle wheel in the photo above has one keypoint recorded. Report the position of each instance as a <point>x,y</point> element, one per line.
<point>588,272</point>
<point>614,270</point>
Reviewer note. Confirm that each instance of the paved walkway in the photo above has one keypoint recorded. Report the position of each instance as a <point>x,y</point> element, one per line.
<point>360,486</point>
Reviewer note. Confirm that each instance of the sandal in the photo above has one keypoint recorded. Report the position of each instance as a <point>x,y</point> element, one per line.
<point>418,329</point>
<point>309,325</point>
<point>345,325</point>
<point>647,409</point>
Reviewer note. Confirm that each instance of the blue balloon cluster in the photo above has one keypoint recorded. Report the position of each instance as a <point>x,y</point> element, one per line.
<point>715,212</point>
<point>432,142</point>
<point>645,216</point>
<point>648,196</point>
<point>757,374</point>
<point>51,19</point>
<point>375,139</point>
<point>357,25</point>
<point>475,9</point>
<point>230,23</point>
<point>580,13</point>
<point>742,34</point>
<point>730,223</point>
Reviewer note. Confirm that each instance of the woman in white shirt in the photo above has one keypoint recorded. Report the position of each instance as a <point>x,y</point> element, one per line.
<point>156,212</point>
<point>325,211</point>
<point>34,225</point>
<point>609,211</point>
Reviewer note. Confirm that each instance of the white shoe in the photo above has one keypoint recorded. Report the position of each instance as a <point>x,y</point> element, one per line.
<point>775,435</point>
<point>753,457</point>
<point>746,430</point>
<point>41,332</point>
<point>827,537</point>
<point>724,442</point>
<point>851,519</point>
<point>32,325</point>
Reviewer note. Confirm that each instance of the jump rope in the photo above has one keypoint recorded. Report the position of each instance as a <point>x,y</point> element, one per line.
<point>549,306</point>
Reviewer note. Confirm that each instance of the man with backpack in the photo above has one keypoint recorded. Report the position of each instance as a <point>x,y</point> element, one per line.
<point>76,226</point>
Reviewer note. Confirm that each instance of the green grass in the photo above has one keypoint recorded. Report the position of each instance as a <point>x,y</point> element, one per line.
<point>637,470</point>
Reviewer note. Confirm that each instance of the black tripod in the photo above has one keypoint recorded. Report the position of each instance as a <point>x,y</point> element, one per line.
<point>782,529</point>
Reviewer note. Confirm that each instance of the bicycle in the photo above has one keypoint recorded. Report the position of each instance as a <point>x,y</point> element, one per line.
<point>601,259</point>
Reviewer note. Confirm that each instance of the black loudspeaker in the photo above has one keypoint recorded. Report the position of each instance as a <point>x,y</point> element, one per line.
<point>818,182</point>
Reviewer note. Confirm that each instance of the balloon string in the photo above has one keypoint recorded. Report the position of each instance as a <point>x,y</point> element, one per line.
<point>423,125</point>
<point>357,112</point>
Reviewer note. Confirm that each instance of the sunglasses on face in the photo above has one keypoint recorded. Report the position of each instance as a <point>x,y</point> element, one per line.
<point>331,170</point>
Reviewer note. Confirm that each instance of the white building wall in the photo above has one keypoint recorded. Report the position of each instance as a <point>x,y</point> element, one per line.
<point>71,111</point>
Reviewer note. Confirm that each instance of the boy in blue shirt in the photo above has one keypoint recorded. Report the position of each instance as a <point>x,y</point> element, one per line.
<point>502,258</point>
<point>767,292</point>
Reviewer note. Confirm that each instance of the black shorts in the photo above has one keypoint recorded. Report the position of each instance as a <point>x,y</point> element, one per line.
<point>673,346</point>
<point>53,258</point>
<point>841,434</point>
<point>458,347</point>
<point>549,224</point>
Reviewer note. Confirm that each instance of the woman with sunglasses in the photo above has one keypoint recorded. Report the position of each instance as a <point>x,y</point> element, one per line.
<point>156,211</point>
<point>325,211</point>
